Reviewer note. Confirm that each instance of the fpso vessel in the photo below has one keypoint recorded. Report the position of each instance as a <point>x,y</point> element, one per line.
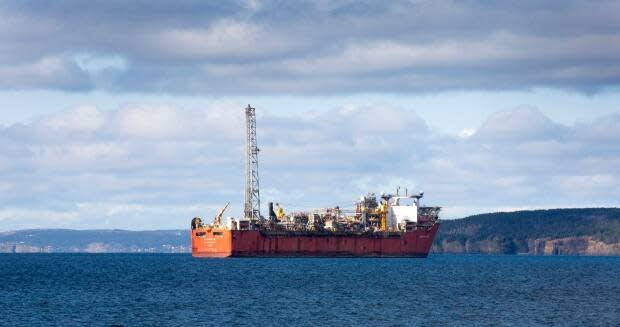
<point>388,225</point>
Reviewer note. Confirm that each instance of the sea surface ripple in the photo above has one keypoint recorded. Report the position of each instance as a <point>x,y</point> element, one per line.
<point>177,290</point>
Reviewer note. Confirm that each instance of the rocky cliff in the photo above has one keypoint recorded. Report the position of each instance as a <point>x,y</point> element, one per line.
<point>591,231</point>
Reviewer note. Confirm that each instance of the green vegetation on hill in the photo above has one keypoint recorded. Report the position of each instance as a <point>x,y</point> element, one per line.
<point>513,230</point>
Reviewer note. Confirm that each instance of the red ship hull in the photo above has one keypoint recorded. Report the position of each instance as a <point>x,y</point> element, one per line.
<point>215,243</point>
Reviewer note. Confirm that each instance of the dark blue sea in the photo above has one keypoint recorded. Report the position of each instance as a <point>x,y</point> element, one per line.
<point>177,290</point>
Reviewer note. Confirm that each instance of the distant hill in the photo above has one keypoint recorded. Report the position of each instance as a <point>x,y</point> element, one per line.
<point>591,231</point>
<point>66,240</point>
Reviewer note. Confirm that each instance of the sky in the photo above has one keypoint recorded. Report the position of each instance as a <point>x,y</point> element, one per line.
<point>130,115</point>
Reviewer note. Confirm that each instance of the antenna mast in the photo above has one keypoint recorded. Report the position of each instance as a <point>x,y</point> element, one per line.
<point>252,195</point>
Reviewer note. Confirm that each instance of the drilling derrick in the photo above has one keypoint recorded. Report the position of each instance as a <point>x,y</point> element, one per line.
<point>252,195</point>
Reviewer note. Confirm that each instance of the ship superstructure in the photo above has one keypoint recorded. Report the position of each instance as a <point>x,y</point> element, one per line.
<point>394,225</point>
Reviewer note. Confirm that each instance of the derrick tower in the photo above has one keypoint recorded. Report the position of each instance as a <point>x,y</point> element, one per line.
<point>252,194</point>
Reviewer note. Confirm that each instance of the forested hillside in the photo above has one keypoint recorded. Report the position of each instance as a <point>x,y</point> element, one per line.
<point>556,231</point>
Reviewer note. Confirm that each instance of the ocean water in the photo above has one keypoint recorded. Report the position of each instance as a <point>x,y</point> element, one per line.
<point>177,290</point>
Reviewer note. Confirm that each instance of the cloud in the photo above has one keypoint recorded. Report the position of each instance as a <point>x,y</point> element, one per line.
<point>224,41</point>
<point>61,73</point>
<point>518,125</point>
<point>321,47</point>
<point>153,166</point>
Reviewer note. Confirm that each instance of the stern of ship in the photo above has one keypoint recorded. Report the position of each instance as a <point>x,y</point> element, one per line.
<point>211,243</point>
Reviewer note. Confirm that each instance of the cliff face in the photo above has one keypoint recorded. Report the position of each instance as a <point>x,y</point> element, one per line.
<point>541,232</point>
<point>563,246</point>
<point>575,245</point>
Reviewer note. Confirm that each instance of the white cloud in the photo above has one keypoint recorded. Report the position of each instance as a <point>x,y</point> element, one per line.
<point>521,124</point>
<point>154,166</point>
<point>54,70</point>
<point>586,184</point>
<point>94,63</point>
<point>85,118</point>
<point>466,132</point>
<point>223,40</point>
<point>151,122</point>
<point>324,47</point>
<point>35,218</point>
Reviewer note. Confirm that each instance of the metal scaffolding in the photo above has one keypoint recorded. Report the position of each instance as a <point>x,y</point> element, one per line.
<point>252,194</point>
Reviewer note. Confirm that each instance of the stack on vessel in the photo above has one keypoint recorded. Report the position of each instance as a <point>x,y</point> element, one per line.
<point>384,225</point>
